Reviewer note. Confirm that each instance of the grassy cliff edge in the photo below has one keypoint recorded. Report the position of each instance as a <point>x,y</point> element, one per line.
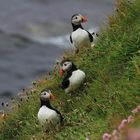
<point>111,92</point>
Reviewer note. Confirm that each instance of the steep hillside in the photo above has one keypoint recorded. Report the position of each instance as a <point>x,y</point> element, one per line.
<point>111,91</point>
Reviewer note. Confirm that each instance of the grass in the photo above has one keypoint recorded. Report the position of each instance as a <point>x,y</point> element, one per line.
<point>113,89</point>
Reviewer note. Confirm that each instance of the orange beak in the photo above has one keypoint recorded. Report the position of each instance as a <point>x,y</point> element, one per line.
<point>52,97</point>
<point>61,72</point>
<point>84,19</point>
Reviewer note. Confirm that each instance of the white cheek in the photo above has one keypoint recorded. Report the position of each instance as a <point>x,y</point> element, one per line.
<point>65,68</point>
<point>77,21</point>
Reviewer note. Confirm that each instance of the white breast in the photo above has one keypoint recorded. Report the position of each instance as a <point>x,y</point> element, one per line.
<point>76,80</point>
<point>48,118</point>
<point>80,38</point>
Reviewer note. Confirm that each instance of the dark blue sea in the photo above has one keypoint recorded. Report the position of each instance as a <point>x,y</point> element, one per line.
<point>34,33</point>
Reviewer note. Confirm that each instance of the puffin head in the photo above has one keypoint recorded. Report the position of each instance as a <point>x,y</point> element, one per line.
<point>77,19</point>
<point>46,95</point>
<point>66,66</point>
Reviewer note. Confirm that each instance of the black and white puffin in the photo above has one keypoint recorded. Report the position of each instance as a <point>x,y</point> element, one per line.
<point>74,77</point>
<point>80,37</point>
<point>48,116</point>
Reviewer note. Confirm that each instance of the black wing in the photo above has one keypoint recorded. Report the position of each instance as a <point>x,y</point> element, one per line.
<point>65,84</point>
<point>61,118</point>
<point>90,37</point>
<point>71,39</point>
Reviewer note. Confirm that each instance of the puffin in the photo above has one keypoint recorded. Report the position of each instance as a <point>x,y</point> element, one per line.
<point>49,117</point>
<point>74,77</point>
<point>80,37</point>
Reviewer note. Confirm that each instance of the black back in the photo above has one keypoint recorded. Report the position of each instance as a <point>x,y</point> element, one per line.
<point>90,37</point>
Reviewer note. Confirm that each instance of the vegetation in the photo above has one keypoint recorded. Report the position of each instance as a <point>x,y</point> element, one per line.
<point>111,91</point>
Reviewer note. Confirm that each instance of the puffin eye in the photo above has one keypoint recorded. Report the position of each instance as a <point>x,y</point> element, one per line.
<point>76,17</point>
<point>44,93</point>
<point>65,64</point>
